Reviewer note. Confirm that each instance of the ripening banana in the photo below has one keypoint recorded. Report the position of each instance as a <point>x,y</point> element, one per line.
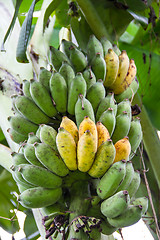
<point>102,132</point>
<point>78,59</point>
<point>122,127</point>
<point>88,124</point>
<point>66,45</point>
<point>57,58</point>
<point>67,148</point>
<point>29,153</point>
<point>71,127</point>
<point>67,72</point>
<point>128,177</point>
<point>39,176</point>
<point>96,93</point>
<point>115,205</point>
<point>106,44</point>
<point>110,181</point>
<point>132,215</point>
<point>50,159</point>
<point>22,125</point>
<point>103,160</point>
<point>26,88</point>
<point>132,70</point>
<point>94,46</point>
<point>134,185</point>
<point>124,106</point>
<point>123,149</point>
<point>18,158</point>
<point>39,197</point>
<point>44,77</point>
<point>83,108</point>
<point>30,110</point>
<point>143,201</point>
<point>98,66</point>
<point>129,92</point>
<point>42,98</point>
<point>112,66</point>
<point>86,150</point>
<point>77,86</point>
<point>32,138</point>
<point>135,135</point>
<point>58,89</point>
<point>122,71</point>
<point>89,77</point>
<point>105,103</point>
<point>48,135</point>
<point>15,136</point>
<point>109,120</point>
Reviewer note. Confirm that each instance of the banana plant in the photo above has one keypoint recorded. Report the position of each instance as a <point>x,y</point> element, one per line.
<point>133,27</point>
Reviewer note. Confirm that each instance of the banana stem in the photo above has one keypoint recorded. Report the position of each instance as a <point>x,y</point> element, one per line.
<point>93,19</point>
<point>150,139</point>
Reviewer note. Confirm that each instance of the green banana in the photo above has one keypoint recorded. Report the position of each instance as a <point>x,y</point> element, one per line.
<point>67,72</point>
<point>129,92</point>
<point>96,93</point>
<point>57,58</point>
<point>107,228</point>
<point>26,88</point>
<point>78,59</point>
<point>77,86</point>
<point>106,44</point>
<point>50,159</point>
<point>111,180</point>
<point>116,49</point>
<point>89,77</point>
<point>104,158</point>
<point>48,135</point>
<point>109,120</point>
<point>29,153</point>
<point>143,201</point>
<point>128,177</point>
<point>124,106</point>
<point>42,98</point>
<point>18,158</point>
<point>66,45</point>
<point>58,89</point>
<point>105,103</point>
<point>98,66</point>
<point>34,175</point>
<point>15,136</point>
<point>129,217</point>
<point>83,108</point>
<point>44,77</point>
<point>122,127</point>
<point>32,138</point>
<point>17,176</point>
<point>115,205</point>
<point>135,135</point>
<point>94,46</point>
<point>39,197</point>
<point>22,125</point>
<point>30,110</point>
<point>134,185</point>
<point>22,188</point>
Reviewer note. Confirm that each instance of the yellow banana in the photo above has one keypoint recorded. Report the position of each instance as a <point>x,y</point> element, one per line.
<point>132,70</point>
<point>88,124</point>
<point>86,151</point>
<point>112,66</point>
<point>71,127</point>
<point>103,133</point>
<point>67,148</point>
<point>122,71</point>
<point>123,149</point>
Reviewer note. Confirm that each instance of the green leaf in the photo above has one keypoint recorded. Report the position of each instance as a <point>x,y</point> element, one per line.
<point>30,227</point>
<point>148,73</point>
<point>49,10</point>
<point>62,13</point>
<point>24,35</point>
<point>18,3</point>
